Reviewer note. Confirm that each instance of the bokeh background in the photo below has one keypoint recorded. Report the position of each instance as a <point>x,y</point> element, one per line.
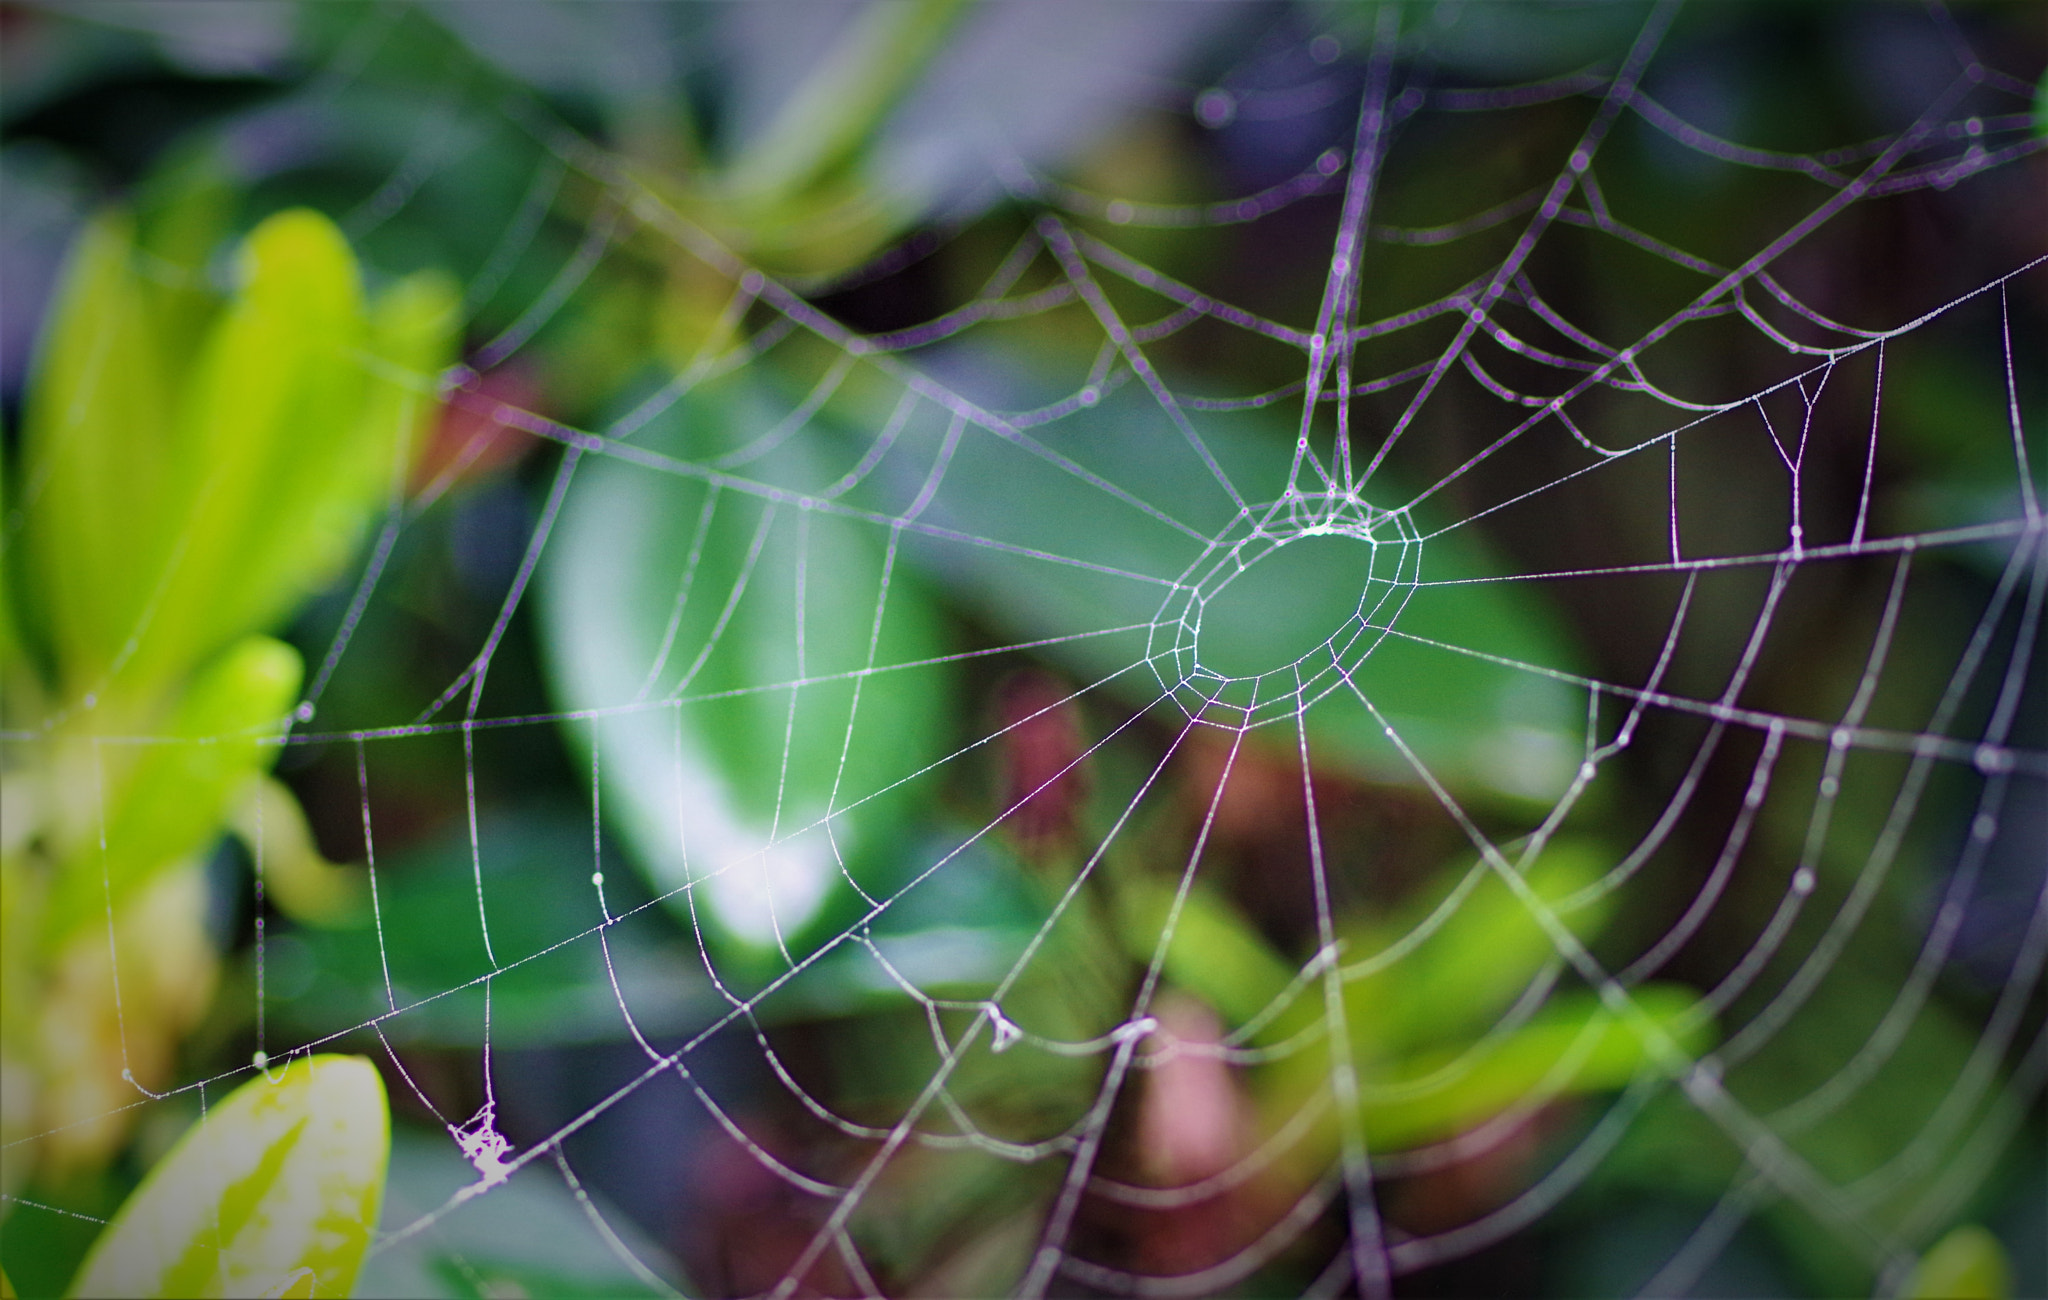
<point>505,144</point>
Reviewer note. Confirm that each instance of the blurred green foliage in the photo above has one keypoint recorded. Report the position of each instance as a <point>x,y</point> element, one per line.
<point>192,468</point>
<point>722,578</point>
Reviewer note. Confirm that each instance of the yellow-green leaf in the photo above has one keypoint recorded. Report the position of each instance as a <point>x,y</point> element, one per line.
<point>1469,964</point>
<point>1215,953</point>
<point>844,99</point>
<point>276,1192</point>
<point>414,326</point>
<point>193,474</point>
<point>95,455</point>
<point>266,423</point>
<point>1479,959</point>
<point>182,216</point>
<point>1574,1045</point>
<point>1967,1264</point>
<point>305,885</point>
<point>181,786</point>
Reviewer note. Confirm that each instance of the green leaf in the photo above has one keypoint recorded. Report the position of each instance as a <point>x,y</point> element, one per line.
<point>798,198</point>
<point>955,935</point>
<point>275,1192</point>
<point>1421,1026</point>
<point>264,428</point>
<point>1479,959</point>
<point>307,516</point>
<point>267,818</point>
<point>183,783</point>
<point>44,1249</point>
<point>1672,1148</point>
<point>1418,1025</point>
<point>182,216</point>
<point>96,447</point>
<point>1215,953</point>
<point>414,328</point>
<point>845,99</point>
<point>1058,555</point>
<point>1444,968</point>
<point>1575,1044</point>
<point>1967,1264</point>
<point>745,745</point>
<point>196,481</point>
<point>868,141</point>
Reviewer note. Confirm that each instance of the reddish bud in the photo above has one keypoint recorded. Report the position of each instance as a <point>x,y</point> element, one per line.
<point>1044,778</point>
<point>476,432</point>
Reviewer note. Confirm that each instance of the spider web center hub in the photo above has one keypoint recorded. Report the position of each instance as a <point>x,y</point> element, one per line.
<point>1282,607</point>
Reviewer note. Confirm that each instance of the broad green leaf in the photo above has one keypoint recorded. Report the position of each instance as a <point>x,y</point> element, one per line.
<point>275,1192</point>
<point>183,783</point>
<point>1094,534</point>
<point>96,447</point>
<point>725,638</point>
<point>1967,1264</point>
<point>956,934</point>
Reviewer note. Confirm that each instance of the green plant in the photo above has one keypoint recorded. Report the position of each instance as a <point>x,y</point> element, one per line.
<point>193,466</point>
<point>274,1193</point>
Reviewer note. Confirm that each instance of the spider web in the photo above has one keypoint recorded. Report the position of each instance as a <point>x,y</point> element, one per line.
<point>1794,788</point>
